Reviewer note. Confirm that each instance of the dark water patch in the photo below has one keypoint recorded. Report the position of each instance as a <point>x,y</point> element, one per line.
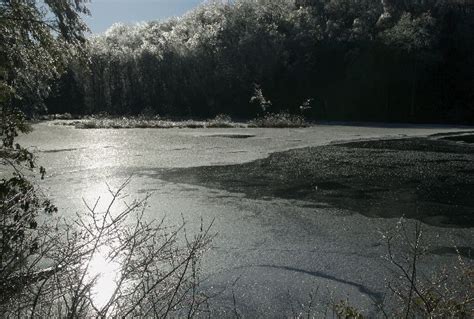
<point>224,196</point>
<point>422,181</point>
<point>180,149</point>
<point>147,190</point>
<point>232,135</point>
<point>189,189</point>
<point>466,252</point>
<point>461,138</point>
<point>63,150</point>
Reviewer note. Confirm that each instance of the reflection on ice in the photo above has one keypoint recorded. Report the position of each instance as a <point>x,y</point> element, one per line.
<point>105,271</point>
<point>113,263</point>
<point>106,222</point>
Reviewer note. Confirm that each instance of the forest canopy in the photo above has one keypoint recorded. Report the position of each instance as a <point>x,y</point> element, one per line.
<point>38,40</point>
<point>352,60</point>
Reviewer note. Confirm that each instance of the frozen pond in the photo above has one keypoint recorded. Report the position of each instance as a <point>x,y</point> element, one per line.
<point>266,248</point>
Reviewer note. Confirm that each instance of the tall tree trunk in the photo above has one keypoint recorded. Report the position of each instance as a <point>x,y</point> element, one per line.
<point>413,93</point>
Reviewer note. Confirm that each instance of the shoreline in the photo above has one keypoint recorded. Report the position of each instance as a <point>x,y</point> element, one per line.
<point>277,120</point>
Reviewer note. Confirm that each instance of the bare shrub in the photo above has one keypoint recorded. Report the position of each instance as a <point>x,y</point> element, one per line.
<point>220,121</point>
<point>279,120</point>
<point>445,292</point>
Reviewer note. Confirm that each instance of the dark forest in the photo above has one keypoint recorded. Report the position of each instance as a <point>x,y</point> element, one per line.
<point>365,60</point>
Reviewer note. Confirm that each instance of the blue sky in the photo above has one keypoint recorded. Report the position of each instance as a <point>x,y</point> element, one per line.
<point>104,13</point>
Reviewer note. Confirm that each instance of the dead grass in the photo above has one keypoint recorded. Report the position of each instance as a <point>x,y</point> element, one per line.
<point>279,120</point>
<point>271,120</point>
<point>140,122</point>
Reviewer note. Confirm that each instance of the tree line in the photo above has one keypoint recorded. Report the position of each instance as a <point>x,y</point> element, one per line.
<point>330,59</point>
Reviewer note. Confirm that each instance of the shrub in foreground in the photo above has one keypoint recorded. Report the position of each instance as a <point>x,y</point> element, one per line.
<point>110,263</point>
<point>414,290</point>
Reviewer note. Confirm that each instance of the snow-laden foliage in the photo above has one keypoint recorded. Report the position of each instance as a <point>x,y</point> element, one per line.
<point>356,59</point>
